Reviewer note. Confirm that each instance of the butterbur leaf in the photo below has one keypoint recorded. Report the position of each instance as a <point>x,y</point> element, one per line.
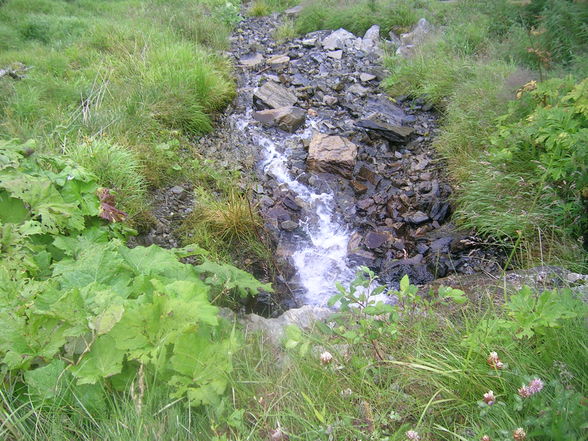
<point>404,283</point>
<point>102,361</point>
<point>44,383</point>
<point>104,322</point>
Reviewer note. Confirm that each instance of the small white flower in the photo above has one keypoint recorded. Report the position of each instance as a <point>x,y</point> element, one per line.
<point>413,435</point>
<point>489,398</point>
<point>519,434</point>
<point>326,357</point>
<point>346,392</point>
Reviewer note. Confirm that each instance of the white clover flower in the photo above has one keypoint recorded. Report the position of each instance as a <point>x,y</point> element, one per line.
<point>489,398</point>
<point>494,361</point>
<point>519,434</point>
<point>413,435</point>
<point>326,357</point>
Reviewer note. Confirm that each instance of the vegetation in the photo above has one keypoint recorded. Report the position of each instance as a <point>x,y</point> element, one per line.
<point>137,72</point>
<point>505,144</point>
<point>99,341</point>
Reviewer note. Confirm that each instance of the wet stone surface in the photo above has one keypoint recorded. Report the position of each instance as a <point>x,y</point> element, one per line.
<point>384,203</point>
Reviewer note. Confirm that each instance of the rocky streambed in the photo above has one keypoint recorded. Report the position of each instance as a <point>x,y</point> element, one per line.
<point>344,174</point>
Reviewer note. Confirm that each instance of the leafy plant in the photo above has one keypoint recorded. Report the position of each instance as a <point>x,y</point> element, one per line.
<point>76,303</point>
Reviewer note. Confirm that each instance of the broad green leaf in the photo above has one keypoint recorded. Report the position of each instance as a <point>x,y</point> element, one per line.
<point>102,361</point>
<point>44,383</point>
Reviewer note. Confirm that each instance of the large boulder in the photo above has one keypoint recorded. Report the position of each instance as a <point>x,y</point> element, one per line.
<point>338,39</point>
<point>272,95</point>
<point>332,154</point>
<point>288,118</point>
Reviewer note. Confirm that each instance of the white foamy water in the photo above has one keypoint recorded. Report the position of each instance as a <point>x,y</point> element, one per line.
<point>321,261</point>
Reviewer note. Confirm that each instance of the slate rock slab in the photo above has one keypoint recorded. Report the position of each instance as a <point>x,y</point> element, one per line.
<point>272,95</point>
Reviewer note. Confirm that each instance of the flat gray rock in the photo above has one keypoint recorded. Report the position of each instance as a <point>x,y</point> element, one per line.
<point>273,96</point>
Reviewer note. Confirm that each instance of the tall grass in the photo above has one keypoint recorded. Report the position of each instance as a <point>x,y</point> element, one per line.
<point>138,72</point>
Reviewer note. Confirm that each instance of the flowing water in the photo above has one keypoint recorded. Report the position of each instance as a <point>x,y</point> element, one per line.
<point>320,258</point>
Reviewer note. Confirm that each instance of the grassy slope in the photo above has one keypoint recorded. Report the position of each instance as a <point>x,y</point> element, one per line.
<point>138,72</point>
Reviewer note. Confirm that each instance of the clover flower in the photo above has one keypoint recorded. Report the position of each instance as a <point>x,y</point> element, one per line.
<point>489,398</point>
<point>519,434</point>
<point>494,361</point>
<point>326,357</point>
<point>412,435</point>
<point>534,386</point>
<point>485,438</point>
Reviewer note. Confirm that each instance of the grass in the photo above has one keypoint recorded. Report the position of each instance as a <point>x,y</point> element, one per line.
<point>431,380</point>
<point>357,17</point>
<point>130,71</point>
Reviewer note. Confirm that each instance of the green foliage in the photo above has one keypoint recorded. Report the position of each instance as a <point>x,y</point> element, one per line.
<point>357,17</point>
<point>138,72</point>
<point>75,302</point>
<point>532,314</point>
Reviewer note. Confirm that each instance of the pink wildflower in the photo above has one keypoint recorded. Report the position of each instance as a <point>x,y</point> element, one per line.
<point>519,434</point>
<point>412,435</point>
<point>494,362</point>
<point>532,388</point>
<point>535,385</point>
<point>489,398</point>
<point>485,438</point>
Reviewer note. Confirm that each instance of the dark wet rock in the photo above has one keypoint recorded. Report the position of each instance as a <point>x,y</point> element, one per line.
<point>375,239</point>
<point>274,96</point>
<point>291,204</point>
<point>416,218</point>
<point>289,225</point>
<point>288,119</point>
<point>358,187</point>
<point>418,272</point>
<point>332,154</point>
<point>393,133</point>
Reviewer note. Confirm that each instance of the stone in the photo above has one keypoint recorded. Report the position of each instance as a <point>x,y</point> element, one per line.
<point>274,96</point>
<point>330,100</point>
<point>278,60</point>
<point>393,270</point>
<point>358,89</point>
<point>337,39</point>
<point>252,60</point>
<point>375,239</point>
<point>291,204</point>
<point>309,42</point>
<point>304,318</point>
<point>369,175</point>
<point>289,225</point>
<point>289,119</point>
<point>366,77</point>
<point>391,132</point>
<point>332,154</point>
<point>416,218</point>
<point>177,190</point>
<point>441,245</point>
<point>294,11</point>
<point>373,33</point>
<point>411,40</point>
<point>358,187</point>
<point>336,55</point>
